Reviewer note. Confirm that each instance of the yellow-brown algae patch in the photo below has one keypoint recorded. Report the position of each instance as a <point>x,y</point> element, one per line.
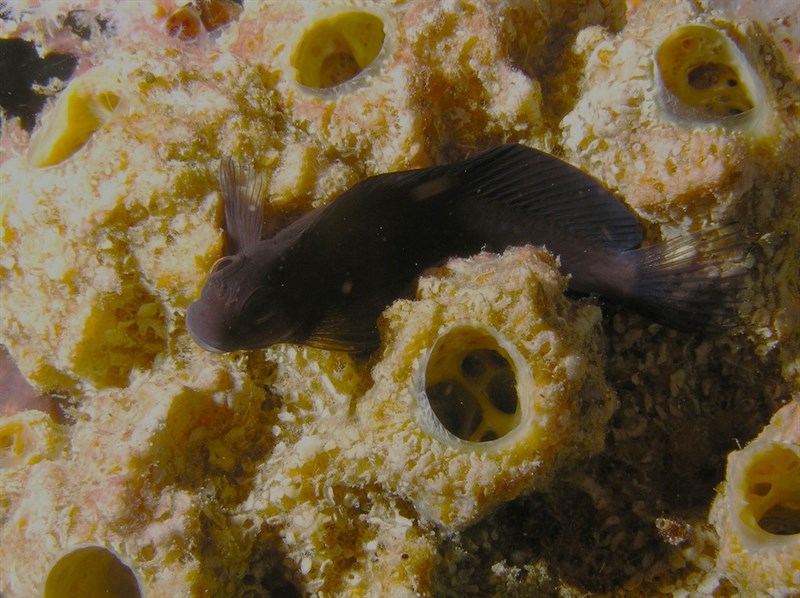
<point>138,485</point>
<point>564,401</point>
<point>28,437</point>
<point>757,513</point>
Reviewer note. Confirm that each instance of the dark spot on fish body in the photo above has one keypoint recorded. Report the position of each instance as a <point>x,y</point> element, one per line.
<point>431,189</point>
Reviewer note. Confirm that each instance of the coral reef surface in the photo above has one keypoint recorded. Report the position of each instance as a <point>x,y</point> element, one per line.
<point>506,439</point>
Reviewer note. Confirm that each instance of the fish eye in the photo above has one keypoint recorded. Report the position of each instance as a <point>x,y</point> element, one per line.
<point>259,305</point>
<point>222,263</point>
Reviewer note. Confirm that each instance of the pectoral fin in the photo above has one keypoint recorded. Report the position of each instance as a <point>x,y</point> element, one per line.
<point>336,333</point>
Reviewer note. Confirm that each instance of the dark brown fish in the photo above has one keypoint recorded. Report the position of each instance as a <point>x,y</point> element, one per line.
<point>325,279</point>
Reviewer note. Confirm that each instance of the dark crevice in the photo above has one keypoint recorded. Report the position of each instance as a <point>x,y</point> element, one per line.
<point>21,68</point>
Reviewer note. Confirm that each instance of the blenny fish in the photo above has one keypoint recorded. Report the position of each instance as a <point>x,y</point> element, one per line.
<point>325,279</point>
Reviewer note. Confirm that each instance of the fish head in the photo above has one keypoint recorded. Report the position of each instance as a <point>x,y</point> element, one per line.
<point>241,306</point>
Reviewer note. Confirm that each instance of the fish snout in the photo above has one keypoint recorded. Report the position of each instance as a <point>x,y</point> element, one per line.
<point>207,328</point>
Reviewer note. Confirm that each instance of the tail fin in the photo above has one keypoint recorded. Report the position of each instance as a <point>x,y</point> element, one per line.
<point>692,283</point>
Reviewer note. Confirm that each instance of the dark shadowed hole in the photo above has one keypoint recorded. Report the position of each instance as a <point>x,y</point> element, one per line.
<point>774,491</point>
<point>455,406</point>
<point>473,366</point>
<point>705,76</point>
<point>761,489</point>
<point>338,68</point>
<point>781,520</point>
<point>20,68</point>
<point>502,391</point>
<point>471,385</point>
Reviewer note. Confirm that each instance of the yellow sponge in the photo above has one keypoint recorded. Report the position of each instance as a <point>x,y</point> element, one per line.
<point>83,107</point>
<point>757,513</point>
<point>337,48</point>
<point>490,382</point>
<point>89,572</point>
<point>704,78</point>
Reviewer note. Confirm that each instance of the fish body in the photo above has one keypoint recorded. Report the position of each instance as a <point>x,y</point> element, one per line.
<point>325,279</point>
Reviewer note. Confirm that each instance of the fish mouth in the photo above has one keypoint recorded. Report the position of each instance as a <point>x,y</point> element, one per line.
<point>204,345</point>
<point>212,334</point>
<point>191,316</point>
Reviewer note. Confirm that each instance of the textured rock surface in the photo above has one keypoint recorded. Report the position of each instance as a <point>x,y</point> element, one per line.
<point>757,513</point>
<point>295,470</point>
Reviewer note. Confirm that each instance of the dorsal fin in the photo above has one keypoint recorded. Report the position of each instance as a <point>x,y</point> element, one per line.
<point>525,182</point>
<point>242,193</point>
